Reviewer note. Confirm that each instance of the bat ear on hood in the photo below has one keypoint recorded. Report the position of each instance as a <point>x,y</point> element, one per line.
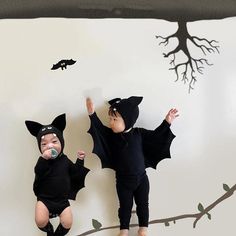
<point>134,101</point>
<point>56,127</point>
<point>127,108</point>
<point>115,100</point>
<point>33,127</point>
<point>60,122</point>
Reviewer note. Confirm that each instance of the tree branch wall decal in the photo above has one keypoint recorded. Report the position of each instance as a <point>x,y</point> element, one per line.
<point>97,226</point>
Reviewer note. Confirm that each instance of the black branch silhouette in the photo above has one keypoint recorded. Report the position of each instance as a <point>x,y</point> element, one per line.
<point>97,226</point>
<point>187,71</point>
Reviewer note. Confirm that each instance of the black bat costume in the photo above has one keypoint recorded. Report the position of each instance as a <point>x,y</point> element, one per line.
<point>129,153</point>
<point>59,179</point>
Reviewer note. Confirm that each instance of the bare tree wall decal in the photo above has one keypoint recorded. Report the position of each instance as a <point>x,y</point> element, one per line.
<point>187,71</point>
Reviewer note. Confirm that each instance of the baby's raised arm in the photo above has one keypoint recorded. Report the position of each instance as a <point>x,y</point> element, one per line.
<point>171,115</point>
<point>90,106</point>
<point>81,154</point>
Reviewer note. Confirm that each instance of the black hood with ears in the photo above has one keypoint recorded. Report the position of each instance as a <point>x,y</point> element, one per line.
<point>127,108</point>
<point>56,127</point>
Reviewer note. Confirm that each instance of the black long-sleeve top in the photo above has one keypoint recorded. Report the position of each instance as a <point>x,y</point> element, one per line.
<point>58,178</point>
<point>131,152</point>
<point>127,153</point>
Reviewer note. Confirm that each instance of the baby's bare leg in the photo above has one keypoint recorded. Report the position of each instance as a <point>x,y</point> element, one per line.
<point>42,218</point>
<point>41,214</point>
<point>65,222</point>
<point>66,218</point>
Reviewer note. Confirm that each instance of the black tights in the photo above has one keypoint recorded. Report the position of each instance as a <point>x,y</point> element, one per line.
<point>140,195</point>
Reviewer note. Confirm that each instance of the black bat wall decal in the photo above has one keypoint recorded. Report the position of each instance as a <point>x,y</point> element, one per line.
<point>63,64</point>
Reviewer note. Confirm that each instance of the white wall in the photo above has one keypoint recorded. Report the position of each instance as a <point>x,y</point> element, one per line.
<point>117,58</point>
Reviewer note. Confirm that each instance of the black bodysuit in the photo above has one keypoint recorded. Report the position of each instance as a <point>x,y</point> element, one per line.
<point>57,180</point>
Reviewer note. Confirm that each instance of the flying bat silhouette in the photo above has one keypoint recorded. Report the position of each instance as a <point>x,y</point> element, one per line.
<point>63,64</point>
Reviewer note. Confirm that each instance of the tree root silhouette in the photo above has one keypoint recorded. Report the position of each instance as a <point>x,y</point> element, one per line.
<point>197,216</point>
<point>187,70</point>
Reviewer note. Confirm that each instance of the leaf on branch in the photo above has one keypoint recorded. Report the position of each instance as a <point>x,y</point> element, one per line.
<point>96,224</point>
<point>167,223</point>
<point>209,216</point>
<point>226,187</point>
<point>200,207</point>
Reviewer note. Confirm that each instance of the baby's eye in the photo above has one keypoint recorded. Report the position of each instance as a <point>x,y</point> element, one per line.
<point>55,141</point>
<point>43,144</point>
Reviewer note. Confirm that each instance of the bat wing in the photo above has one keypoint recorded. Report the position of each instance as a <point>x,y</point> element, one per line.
<point>70,62</point>
<point>156,144</point>
<point>56,66</point>
<point>101,136</point>
<point>77,180</point>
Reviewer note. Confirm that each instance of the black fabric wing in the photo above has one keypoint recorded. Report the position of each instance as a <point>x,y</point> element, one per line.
<point>156,144</point>
<point>77,176</point>
<point>101,136</point>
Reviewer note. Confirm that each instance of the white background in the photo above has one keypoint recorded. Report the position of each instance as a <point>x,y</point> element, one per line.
<point>117,58</point>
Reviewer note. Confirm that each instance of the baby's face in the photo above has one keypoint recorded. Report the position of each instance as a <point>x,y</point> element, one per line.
<point>50,141</point>
<point>116,123</point>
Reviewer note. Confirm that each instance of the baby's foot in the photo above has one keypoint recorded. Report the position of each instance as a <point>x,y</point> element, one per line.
<point>142,231</point>
<point>124,232</point>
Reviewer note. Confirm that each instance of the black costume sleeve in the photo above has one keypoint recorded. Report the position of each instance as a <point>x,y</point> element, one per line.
<point>101,138</point>
<point>77,176</point>
<point>156,144</point>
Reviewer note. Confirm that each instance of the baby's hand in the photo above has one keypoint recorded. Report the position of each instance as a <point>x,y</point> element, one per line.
<point>81,154</point>
<point>90,106</point>
<point>47,154</point>
<point>171,115</point>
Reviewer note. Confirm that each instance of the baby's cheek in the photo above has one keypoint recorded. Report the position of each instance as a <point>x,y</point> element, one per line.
<point>58,148</point>
<point>42,149</point>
